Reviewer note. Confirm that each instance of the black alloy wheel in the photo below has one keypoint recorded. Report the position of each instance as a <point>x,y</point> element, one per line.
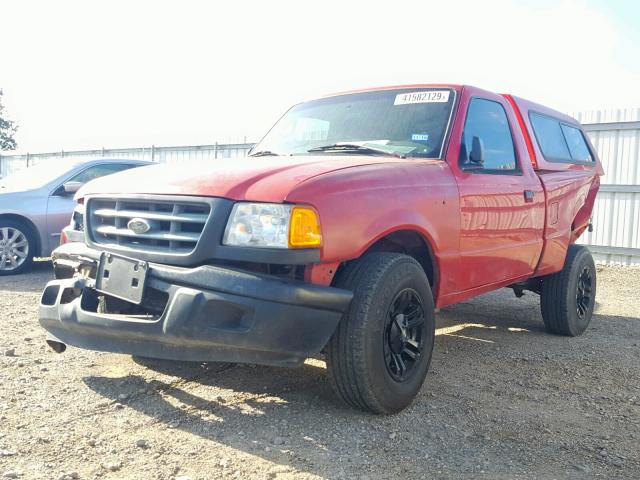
<point>568,297</point>
<point>380,353</point>
<point>403,334</point>
<point>584,292</point>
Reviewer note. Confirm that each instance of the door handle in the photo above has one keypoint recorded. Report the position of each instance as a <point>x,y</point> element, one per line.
<point>529,195</point>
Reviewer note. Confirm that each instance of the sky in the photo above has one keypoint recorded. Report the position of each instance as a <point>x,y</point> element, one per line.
<point>84,75</point>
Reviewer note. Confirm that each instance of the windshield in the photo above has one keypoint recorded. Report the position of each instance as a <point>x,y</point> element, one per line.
<point>412,122</point>
<point>38,175</point>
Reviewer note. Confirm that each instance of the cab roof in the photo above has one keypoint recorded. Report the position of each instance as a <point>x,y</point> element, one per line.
<point>523,104</point>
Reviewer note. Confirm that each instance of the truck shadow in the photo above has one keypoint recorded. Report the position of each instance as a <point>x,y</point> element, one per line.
<point>261,411</point>
<point>292,418</point>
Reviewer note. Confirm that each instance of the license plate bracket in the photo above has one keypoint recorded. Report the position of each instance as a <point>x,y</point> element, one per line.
<point>121,277</point>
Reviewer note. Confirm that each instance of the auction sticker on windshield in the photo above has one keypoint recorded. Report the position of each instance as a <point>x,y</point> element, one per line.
<point>438,96</point>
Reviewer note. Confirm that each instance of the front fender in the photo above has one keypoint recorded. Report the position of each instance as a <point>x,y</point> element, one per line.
<point>358,206</point>
<point>400,220</point>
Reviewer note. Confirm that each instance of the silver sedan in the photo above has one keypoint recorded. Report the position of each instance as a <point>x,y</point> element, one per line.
<point>37,202</point>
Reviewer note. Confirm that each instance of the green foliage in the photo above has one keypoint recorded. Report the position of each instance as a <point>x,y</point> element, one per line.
<point>7,130</point>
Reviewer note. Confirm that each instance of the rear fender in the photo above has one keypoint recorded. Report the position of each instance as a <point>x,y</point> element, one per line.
<point>570,199</point>
<point>583,217</point>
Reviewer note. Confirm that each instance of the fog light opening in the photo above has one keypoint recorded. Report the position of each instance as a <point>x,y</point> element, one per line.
<point>50,295</point>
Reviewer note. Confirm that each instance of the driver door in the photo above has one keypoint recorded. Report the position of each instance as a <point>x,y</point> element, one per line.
<point>501,199</point>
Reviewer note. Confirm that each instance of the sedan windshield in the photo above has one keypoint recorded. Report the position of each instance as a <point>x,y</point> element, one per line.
<point>407,122</point>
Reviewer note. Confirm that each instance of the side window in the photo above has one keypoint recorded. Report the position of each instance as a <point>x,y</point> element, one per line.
<point>558,141</point>
<point>487,120</point>
<point>550,138</point>
<point>98,171</point>
<point>577,144</point>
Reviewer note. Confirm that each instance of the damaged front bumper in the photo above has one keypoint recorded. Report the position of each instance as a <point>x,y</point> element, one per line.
<point>206,313</point>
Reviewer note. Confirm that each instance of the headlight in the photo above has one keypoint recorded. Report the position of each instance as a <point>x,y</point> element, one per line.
<point>272,225</point>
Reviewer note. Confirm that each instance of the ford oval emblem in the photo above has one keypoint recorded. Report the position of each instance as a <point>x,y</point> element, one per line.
<point>139,225</point>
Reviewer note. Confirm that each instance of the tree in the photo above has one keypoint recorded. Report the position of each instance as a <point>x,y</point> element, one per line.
<point>7,130</point>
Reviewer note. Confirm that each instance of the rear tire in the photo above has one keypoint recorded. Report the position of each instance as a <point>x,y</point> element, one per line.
<point>17,247</point>
<point>568,297</point>
<point>380,353</point>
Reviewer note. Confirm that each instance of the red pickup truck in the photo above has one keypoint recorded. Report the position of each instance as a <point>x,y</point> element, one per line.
<point>353,219</point>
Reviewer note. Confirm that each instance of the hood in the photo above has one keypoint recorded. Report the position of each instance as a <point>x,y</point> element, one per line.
<point>267,179</point>
<point>13,188</point>
<point>11,191</point>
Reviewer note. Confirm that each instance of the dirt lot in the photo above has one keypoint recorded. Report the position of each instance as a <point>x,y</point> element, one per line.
<point>503,399</point>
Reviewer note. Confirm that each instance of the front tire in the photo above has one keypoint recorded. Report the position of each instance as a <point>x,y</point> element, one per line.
<point>16,247</point>
<point>568,297</point>
<point>380,353</point>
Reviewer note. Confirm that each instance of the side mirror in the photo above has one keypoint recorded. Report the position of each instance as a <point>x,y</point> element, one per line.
<point>477,152</point>
<point>72,187</point>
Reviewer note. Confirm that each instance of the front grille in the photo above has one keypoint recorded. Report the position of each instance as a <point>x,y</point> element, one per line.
<point>175,226</point>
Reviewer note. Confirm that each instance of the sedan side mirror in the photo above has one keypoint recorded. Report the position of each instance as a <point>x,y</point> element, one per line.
<point>477,151</point>
<point>72,187</point>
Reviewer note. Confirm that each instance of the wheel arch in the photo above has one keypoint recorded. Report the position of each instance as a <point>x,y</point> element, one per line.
<point>409,241</point>
<point>33,230</point>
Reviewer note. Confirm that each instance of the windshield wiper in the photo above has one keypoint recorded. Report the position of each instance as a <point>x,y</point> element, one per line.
<point>264,153</point>
<point>346,147</point>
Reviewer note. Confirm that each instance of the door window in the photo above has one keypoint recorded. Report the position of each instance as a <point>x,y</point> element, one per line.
<point>488,121</point>
<point>100,170</point>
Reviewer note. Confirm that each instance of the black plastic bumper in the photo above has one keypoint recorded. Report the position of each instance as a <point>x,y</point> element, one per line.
<point>211,314</point>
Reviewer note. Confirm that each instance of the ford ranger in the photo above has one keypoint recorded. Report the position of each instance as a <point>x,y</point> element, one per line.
<point>345,228</point>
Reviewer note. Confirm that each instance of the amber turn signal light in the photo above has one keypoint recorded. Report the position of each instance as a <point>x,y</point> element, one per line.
<point>304,230</point>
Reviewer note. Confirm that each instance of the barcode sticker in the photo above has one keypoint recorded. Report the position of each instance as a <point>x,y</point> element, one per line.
<point>438,96</point>
<point>420,137</point>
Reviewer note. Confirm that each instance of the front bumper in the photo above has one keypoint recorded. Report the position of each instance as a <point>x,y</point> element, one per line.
<point>210,314</point>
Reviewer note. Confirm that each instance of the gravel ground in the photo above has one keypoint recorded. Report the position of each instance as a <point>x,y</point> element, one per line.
<point>502,400</point>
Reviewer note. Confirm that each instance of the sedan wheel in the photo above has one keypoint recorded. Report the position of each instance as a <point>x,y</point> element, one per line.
<point>14,250</point>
